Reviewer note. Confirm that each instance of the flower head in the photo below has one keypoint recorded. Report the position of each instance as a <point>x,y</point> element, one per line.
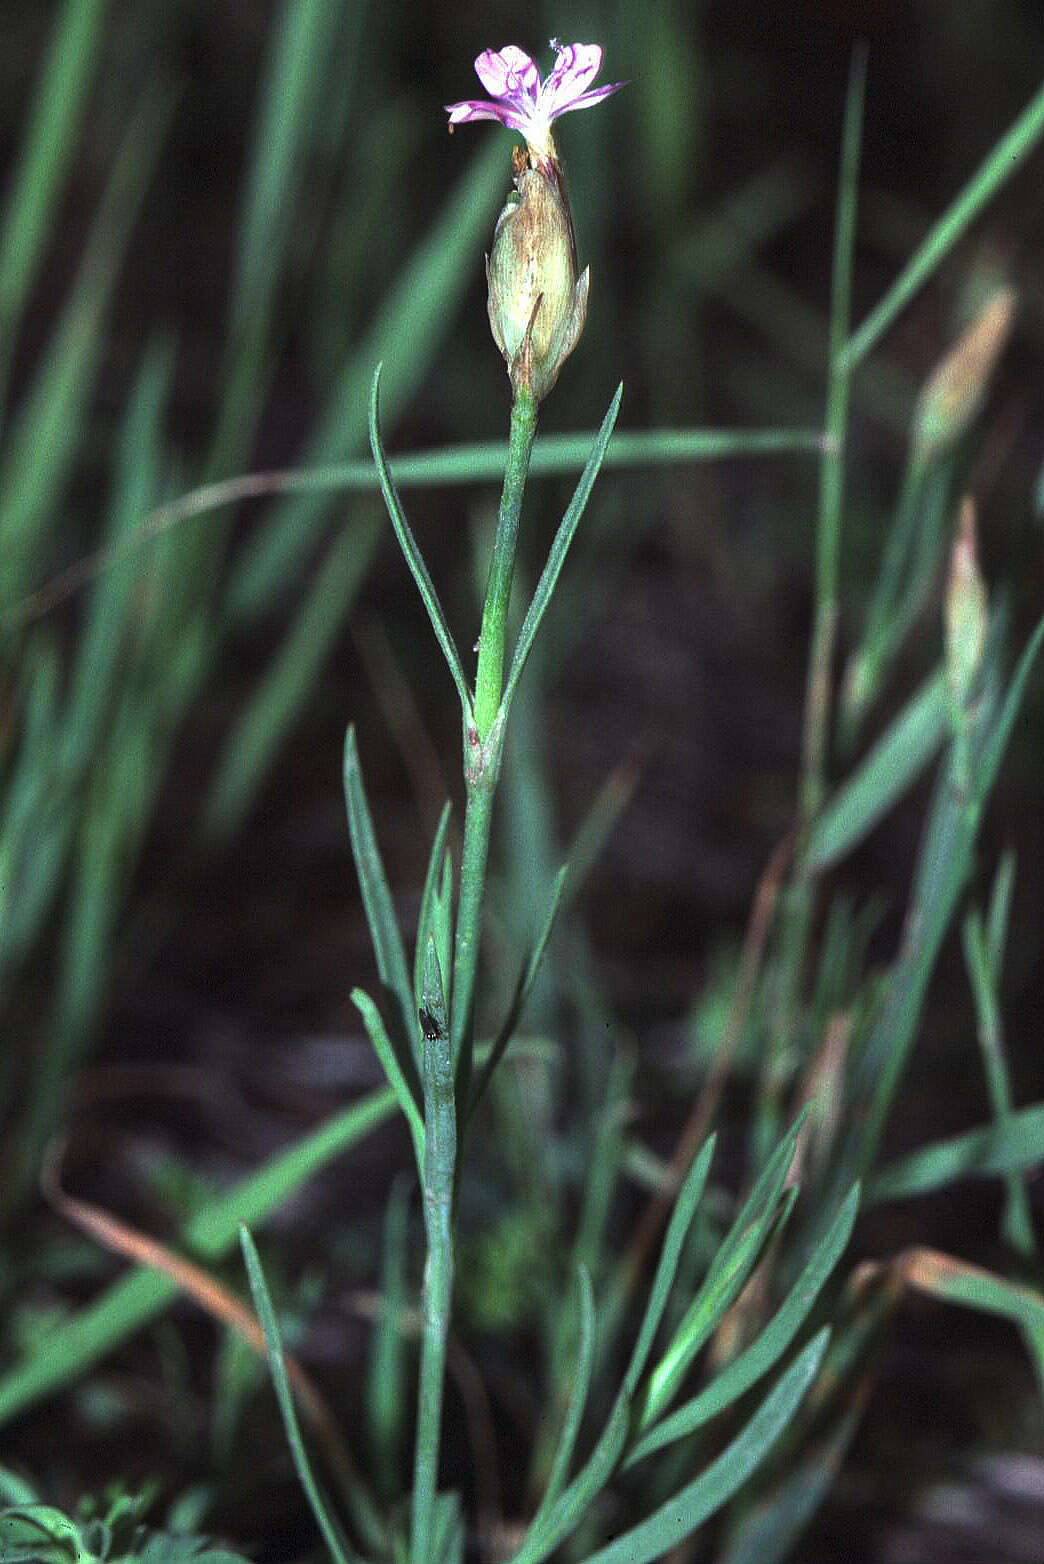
<point>524,102</point>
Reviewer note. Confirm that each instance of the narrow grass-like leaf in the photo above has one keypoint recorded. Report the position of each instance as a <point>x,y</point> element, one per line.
<point>44,157</point>
<point>564,1516</point>
<point>1017,1221</point>
<point>559,549</point>
<point>682,1215</point>
<point>955,1281</point>
<point>1005,158</point>
<point>994,1149</point>
<point>417,313</point>
<point>577,1399</point>
<point>893,765</point>
<point>431,897</point>
<point>44,436</point>
<point>997,742</point>
<point>283,692</point>
<point>723,1282</point>
<point>377,900</point>
<point>447,1531</point>
<point>413,555</point>
<point>674,1521</point>
<point>765,1351</point>
<point>999,910</point>
<point>522,991</point>
<point>70,1349</point>
<point>334,1538</point>
<point>398,1066</point>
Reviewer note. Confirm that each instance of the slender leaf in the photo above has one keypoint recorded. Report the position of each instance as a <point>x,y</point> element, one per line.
<point>729,1270</point>
<point>765,1351</point>
<point>72,1347</point>
<point>45,156</point>
<point>414,558</point>
<point>680,1516</point>
<point>563,1517</point>
<point>559,549</point>
<point>994,1149</point>
<point>1005,158</point>
<point>893,765</point>
<point>431,899</point>
<point>682,1215</point>
<point>377,900</point>
<point>398,1066</point>
<point>577,1400</point>
<point>334,1538</point>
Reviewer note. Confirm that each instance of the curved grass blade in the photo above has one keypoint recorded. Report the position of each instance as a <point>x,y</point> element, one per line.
<point>729,1270</point>
<point>71,1348</point>
<point>563,1517</point>
<point>674,1521</point>
<point>765,1351</point>
<point>397,1065</point>
<point>677,1232</point>
<point>338,1545</point>
<point>414,558</point>
<point>893,765</point>
<point>44,158</point>
<point>559,549</point>
<point>377,900</point>
<point>1016,1143</point>
<point>577,1400</point>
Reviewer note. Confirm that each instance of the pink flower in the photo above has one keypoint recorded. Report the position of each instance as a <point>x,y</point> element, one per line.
<point>525,103</point>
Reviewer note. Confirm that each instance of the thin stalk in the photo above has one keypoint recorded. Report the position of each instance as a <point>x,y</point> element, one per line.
<point>490,676</point>
<point>797,904</point>
<point>447,1051</point>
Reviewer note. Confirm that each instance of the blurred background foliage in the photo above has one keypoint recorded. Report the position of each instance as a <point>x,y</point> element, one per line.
<point>214,220</point>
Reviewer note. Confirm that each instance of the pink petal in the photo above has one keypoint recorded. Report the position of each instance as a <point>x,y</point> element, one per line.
<point>477,108</point>
<point>508,73</point>
<point>586,99</point>
<point>576,67</point>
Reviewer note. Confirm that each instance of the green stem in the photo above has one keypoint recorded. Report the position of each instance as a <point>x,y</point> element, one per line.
<point>490,676</point>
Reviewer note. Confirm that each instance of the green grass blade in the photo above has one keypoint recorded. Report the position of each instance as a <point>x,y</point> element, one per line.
<point>563,1517</point>
<point>994,1149</point>
<point>559,548</point>
<point>1002,162</point>
<point>340,1551</point>
<point>399,1068</point>
<point>577,1400</point>
<point>377,900</point>
<point>521,994</point>
<point>45,435</point>
<point>678,1228</point>
<point>44,159</point>
<point>417,314</point>
<point>283,692</point>
<point>414,557</point>
<point>1017,1223</point>
<point>74,1346</point>
<point>731,1266</point>
<point>898,758</point>
<point>999,911</point>
<point>435,900</point>
<point>765,1351</point>
<point>680,1516</point>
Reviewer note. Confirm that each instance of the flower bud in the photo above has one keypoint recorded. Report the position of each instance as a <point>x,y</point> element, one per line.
<point>953,394</point>
<point>537,305</point>
<point>966,612</point>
